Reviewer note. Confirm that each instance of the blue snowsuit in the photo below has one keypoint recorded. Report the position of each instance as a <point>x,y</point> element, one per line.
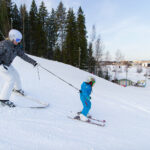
<point>86,90</point>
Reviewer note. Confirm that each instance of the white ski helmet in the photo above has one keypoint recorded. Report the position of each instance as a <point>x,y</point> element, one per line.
<point>91,79</point>
<point>15,35</point>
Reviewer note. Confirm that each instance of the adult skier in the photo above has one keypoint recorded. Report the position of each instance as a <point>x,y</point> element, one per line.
<point>85,92</point>
<point>9,49</point>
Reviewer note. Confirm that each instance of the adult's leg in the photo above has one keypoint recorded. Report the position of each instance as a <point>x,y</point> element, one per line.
<point>9,81</point>
<point>17,84</point>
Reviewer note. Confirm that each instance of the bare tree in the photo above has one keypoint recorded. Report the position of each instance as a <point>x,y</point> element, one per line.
<point>98,52</point>
<point>119,56</point>
<point>93,35</point>
<point>107,56</point>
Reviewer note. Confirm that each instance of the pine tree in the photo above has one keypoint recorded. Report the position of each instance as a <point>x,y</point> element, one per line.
<point>58,54</point>
<point>16,19</point>
<point>9,9</point>
<point>25,28</point>
<point>82,41</point>
<point>43,15</point>
<point>33,23</point>
<point>1,34</point>
<point>71,45</point>
<point>61,25</point>
<point>4,19</point>
<point>60,35</point>
<point>42,38</point>
<point>51,28</point>
<point>91,60</point>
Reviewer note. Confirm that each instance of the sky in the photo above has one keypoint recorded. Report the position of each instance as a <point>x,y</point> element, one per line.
<point>122,24</point>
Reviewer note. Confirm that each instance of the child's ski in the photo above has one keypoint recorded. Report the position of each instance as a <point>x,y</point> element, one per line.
<point>90,117</point>
<point>89,122</point>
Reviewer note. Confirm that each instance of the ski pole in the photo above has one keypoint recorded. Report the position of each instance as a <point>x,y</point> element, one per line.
<point>38,72</point>
<point>59,78</point>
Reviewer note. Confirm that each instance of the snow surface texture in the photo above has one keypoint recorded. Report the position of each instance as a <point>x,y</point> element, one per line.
<point>126,110</point>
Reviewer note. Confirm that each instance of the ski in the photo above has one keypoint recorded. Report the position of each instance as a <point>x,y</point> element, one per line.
<point>19,106</point>
<point>42,104</point>
<point>33,107</point>
<point>36,100</point>
<point>90,117</point>
<point>89,122</point>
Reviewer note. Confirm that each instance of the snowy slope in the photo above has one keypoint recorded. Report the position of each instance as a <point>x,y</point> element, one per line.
<point>127,111</point>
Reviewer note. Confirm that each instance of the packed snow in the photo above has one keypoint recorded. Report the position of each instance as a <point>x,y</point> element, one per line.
<point>126,110</point>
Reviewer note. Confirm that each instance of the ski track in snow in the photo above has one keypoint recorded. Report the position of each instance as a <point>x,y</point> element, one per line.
<point>126,110</point>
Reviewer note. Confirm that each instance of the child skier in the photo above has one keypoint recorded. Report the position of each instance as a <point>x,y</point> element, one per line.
<point>8,51</point>
<point>86,89</point>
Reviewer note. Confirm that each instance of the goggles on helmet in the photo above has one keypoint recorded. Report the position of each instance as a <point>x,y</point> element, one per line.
<point>18,40</point>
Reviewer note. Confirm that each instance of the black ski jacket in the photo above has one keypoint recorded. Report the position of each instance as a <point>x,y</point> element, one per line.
<point>8,52</point>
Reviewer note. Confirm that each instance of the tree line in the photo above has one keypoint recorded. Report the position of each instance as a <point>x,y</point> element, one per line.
<point>59,35</point>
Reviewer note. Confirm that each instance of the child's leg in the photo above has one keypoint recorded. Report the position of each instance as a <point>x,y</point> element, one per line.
<point>86,106</point>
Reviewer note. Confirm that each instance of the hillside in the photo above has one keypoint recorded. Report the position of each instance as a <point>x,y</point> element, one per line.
<point>126,110</point>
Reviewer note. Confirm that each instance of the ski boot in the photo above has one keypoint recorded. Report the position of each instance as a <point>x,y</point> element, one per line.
<point>78,113</point>
<point>88,116</point>
<point>84,118</point>
<point>7,103</point>
<point>77,117</point>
